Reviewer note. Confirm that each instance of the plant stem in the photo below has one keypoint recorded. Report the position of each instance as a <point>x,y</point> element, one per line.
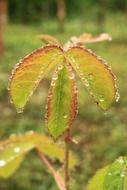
<point>57,177</point>
<point>66,161</point>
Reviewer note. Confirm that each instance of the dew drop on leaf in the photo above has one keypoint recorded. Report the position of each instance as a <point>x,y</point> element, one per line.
<point>11,101</point>
<point>90,76</point>
<point>31,93</point>
<point>17,149</point>
<point>81,75</point>
<point>65,116</point>
<point>60,67</point>
<point>117,96</point>
<point>101,98</point>
<point>86,83</point>
<point>122,175</point>
<point>69,68</point>
<point>55,77</point>
<point>2,163</point>
<point>72,76</point>
<point>75,90</point>
<point>20,110</point>
<point>52,83</point>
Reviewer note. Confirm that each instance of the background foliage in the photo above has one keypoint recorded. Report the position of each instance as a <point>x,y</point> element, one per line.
<point>102,136</point>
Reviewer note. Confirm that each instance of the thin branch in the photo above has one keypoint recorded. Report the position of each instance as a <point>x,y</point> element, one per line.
<point>57,177</point>
<point>66,161</point>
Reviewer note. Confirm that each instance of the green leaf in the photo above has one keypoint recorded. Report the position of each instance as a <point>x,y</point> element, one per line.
<point>112,177</point>
<point>96,183</point>
<point>29,71</point>
<point>95,75</point>
<point>114,180</point>
<point>11,158</point>
<point>62,101</point>
<point>49,147</point>
<point>13,150</point>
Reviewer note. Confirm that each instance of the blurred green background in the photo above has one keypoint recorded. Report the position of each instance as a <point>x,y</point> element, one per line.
<point>102,136</point>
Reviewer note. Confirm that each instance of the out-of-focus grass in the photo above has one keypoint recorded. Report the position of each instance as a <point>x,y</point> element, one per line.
<point>103,136</point>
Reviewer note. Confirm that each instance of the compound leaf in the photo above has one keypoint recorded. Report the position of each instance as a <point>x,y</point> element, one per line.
<point>29,71</point>
<point>62,101</point>
<point>96,183</point>
<point>95,75</point>
<point>111,177</point>
<point>13,150</point>
<point>12,156</point>
<point>49,147</point>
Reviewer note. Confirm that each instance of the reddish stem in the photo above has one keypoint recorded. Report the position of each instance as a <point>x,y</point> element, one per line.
<point>56,175</point>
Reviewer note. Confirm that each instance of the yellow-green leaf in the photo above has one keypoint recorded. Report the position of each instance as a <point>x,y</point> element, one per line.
<point>12,156</point>
<point>96,183</point>
<point>111,177</point>
<point>115,177</point>
<point>29,71</point>
<point>49,147</point>
<point>95,75</point>
<point>62,101</point>
<point>14,149</point>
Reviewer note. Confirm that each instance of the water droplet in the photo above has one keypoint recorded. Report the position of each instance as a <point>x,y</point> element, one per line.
<point>81,75</point>
<point>8,88</point>
<point>110,173</point>
<point>72,76</point>
<point>101,98</point>
<point>109,68</point>
<point>122,175</point>
<point>20,110</point>
<point>60,67</point>
<point>11,101</point>
<point>117,96</point>
<point>17,149</point>
<point>31,93</point>
<point>75,90</point>
<point>77,67</point>
<point>52,83</point>
<point>69,68</point>
<point>90,76</point>
<point>55,77</point>
<point>86,83</point>
<point>115,78</point>
<point>89,50</point>
<point>99,58</point>
<point>2,163</point>
<point>65,116</point>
